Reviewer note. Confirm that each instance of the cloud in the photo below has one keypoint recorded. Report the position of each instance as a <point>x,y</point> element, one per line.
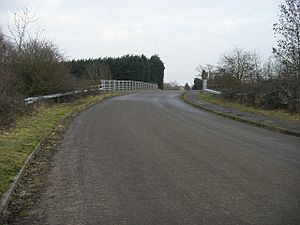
<point>183,33</point>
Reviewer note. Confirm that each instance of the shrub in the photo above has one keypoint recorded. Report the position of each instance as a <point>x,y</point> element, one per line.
<point>39,65</point>
<point>9,84</point>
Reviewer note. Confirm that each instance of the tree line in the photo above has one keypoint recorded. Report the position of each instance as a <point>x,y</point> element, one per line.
<point>128,67</point>
<point>244,77</point>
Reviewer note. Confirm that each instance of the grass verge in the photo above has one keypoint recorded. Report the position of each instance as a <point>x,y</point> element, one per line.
<point>278,114</point>
<point>241,119</point>
<point>17,143</point>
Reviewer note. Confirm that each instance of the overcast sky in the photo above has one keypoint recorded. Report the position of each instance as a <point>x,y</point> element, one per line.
<point>184,33</point>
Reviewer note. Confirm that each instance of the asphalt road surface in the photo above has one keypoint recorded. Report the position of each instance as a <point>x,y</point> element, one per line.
<point>149,158</point>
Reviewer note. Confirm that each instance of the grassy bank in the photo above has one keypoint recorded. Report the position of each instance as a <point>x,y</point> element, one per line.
<point>19,141</point>
<point>279,114</point>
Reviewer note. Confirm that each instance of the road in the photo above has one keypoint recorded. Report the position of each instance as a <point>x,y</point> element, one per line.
<point>149,158</point>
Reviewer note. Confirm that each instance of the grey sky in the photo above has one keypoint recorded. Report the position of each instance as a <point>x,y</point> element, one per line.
<point>183,33</point>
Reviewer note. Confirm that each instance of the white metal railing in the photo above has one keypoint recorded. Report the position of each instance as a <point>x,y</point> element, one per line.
<point>126,85</point>
<point>105,86</point>
<point>212,91</point>
<point>204,88</point>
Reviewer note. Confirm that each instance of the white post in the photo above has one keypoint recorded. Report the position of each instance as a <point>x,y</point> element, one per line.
<point>204,84</point>
<point>103,85</point>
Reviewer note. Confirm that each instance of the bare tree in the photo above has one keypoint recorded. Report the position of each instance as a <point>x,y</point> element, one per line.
<point>6,49</point>
<point>19,30</point>
<point>287,31</point>
<point>270,68</point>
<point>40,67</point>
<point>38,63</point>
<point>96,72</point>
<point>240,65</point>
<point>209,68</point>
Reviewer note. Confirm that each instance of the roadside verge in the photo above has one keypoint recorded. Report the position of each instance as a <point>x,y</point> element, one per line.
<point>20,144</point>
<point>261,121</point>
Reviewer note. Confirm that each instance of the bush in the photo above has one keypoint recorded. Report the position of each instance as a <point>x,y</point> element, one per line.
<point>293,95</point>
<point>39,65</point>
<point>9,85</point>
<point>276,93</point>
<point>11,104</point>
<point>35,68</point>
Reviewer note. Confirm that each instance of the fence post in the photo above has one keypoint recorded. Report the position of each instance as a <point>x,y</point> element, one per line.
<point>102,82</point>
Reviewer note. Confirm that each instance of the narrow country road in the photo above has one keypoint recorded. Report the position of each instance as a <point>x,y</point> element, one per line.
<point>149,158</point>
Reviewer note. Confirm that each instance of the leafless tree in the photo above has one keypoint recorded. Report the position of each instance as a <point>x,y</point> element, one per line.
<point>38,63</point>
<point>96,72</point>
<point>287,31</point>
<point>19,29</point>
<point>209,68</point>
<point>40,67</point>
<point>241,65</point>
<point>270,68</point>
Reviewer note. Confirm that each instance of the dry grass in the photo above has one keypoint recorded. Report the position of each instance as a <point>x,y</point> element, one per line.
<point>278,114</point>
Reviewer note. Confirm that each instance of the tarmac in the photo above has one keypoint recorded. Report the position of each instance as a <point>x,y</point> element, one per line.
<point>149,158</point>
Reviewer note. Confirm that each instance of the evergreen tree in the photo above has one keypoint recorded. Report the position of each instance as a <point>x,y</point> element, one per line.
<point>197,84</point>
<point>187,87</point>
<point>127,67</point>
<point>157,71</point>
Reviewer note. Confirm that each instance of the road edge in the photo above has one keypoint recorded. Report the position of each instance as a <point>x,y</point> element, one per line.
<point>236,118</point>
<point>6,197</point>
